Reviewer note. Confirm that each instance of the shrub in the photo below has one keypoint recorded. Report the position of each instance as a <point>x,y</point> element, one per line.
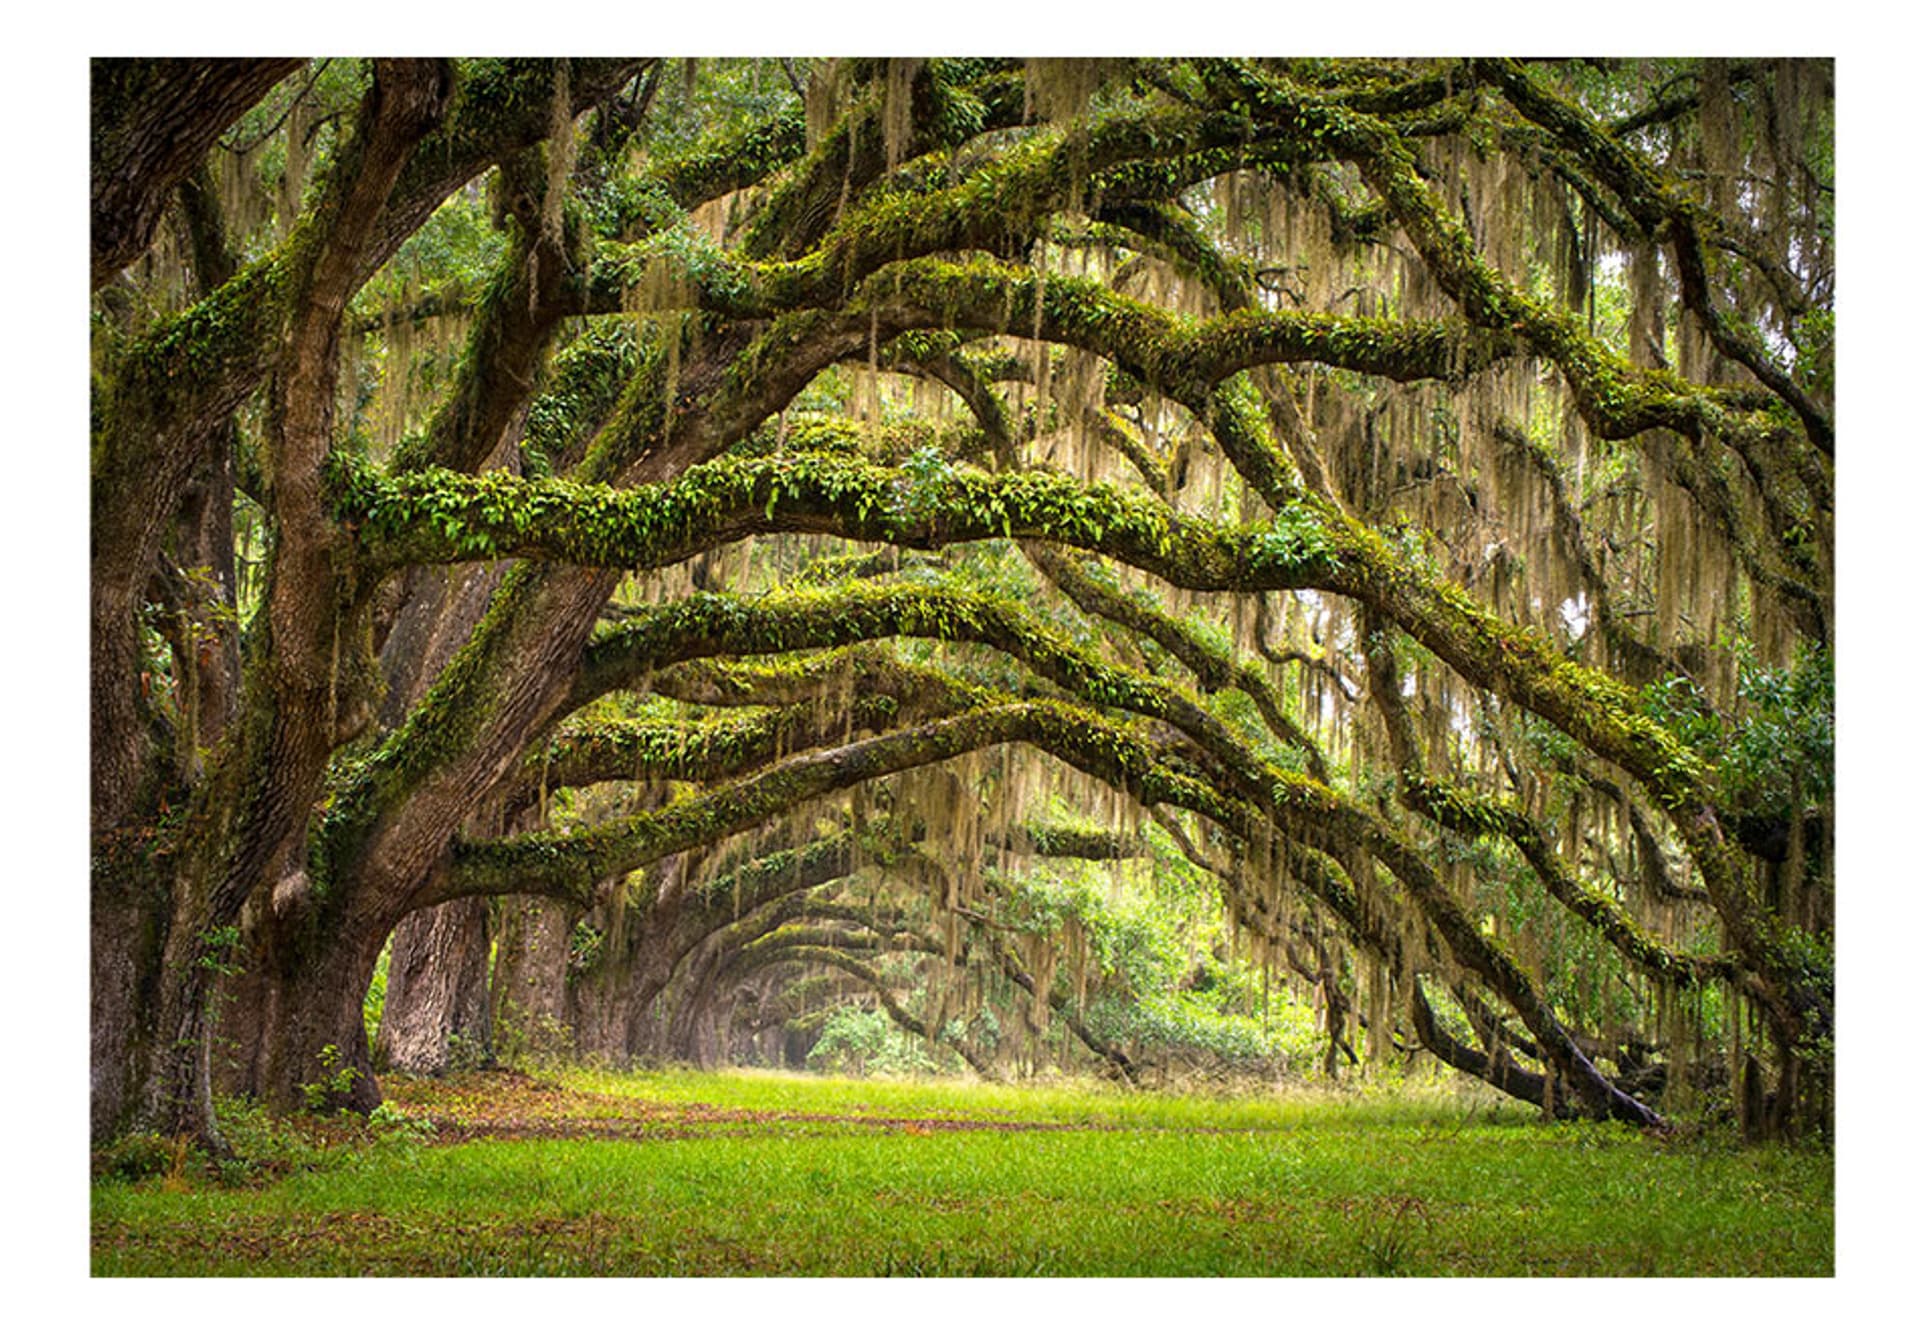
<point>134,1158</point>
<point>857,1041</point>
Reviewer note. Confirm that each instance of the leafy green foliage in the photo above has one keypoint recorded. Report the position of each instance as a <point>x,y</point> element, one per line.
<point>335,1083</point>
<point>373,1007</point>
<point>860,1041</point>
<point>441,266</point>
<point>1777,743</point>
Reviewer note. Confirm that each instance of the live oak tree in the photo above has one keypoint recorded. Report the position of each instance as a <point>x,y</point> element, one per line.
<point>746,504</point>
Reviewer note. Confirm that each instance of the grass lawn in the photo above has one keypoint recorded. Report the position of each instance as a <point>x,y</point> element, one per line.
<point>678,1173</point>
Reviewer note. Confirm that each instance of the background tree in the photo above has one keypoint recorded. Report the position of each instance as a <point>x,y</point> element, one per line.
<point>1398,491</point>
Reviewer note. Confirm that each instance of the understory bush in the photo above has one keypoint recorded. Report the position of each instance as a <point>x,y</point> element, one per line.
<point>858,1041</point>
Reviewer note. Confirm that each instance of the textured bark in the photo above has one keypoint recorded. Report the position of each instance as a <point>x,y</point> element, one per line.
<point>322,1034</point>
<point>437,1013</point>
<point>127,925</point>
<point>438,609</point>
<point>529,987</point>
<point>153,121</point>
<point>195,588</point>
<point>135,503</point>
<point>525,668</point>
<point>439,985</point>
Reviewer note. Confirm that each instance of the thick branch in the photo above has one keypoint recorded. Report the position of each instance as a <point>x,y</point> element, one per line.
<point>153,122</point>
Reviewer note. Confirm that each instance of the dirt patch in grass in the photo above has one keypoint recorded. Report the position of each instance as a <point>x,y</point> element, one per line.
<point>506,1104</point>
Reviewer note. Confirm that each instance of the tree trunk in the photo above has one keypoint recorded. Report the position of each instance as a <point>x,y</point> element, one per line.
<point>605,1003</point>
<point>128,928</point>
<point>695,1032</point>
<point>530,1015</point>
<point>437,1015</point>
<point>293,1028</point>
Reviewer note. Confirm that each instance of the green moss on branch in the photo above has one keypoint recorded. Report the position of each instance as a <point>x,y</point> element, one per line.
<point>438,517</point>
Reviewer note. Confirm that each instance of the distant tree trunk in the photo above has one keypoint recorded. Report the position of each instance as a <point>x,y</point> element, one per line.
<point>612,996</point>
<point>795,1043</point>
<point>437,1012</point>
<point>530,1014</point>
<point>712,1032</point>
<point>598,1000</point>
<point>701,1011</point>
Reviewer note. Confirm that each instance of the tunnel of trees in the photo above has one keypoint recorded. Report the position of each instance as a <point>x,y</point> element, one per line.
<point>1055,562</point>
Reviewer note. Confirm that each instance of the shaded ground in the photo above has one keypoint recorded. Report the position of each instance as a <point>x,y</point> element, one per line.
<point>508,1105</point>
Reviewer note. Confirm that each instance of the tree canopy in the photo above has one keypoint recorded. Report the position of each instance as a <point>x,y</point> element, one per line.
<point>795,517</point>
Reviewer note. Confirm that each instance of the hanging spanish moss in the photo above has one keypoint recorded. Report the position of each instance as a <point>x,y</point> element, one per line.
<point>1117,604</point>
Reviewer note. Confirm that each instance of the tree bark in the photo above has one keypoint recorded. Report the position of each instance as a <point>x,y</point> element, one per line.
<point>153,121</point>
<point>436,1015</point>
<point>292,1019</point>
<point>529,989</point>
<point>127,928</point>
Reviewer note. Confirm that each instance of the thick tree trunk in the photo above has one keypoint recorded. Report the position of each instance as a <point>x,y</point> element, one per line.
<point>293,1024</point>
<point>612,996</point>
<point>710,1036</point>
<point>128,929</point>
<point>530,1014</point>
<point>605,1003</point>
<point>134,502</point>
<point>300,699</point>
<point>437,1015</point>
<point>152,1061</point>
<point>305,694</point>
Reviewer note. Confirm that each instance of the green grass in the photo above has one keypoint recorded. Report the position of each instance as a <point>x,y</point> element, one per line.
<point>1134,1184</point>
<point>1082,1103</point>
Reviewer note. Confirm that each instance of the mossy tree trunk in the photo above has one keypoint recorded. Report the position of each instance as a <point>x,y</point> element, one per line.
<point>294,1027</point>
